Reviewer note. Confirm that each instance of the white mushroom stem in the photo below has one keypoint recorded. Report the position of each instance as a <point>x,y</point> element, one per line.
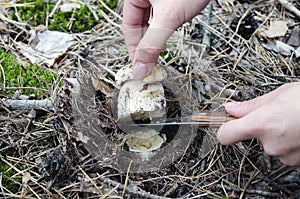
<point>141,101</point>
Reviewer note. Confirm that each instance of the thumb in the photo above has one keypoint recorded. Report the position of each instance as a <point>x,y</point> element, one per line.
<point>247,127</point>
<point>148,50</point>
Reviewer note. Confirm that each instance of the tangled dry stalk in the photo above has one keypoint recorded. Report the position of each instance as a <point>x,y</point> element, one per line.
<point>50,161</point>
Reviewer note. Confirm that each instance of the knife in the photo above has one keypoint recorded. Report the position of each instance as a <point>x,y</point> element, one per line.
<point>201,119</point>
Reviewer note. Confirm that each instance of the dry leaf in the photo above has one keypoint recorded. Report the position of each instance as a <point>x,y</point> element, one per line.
<point>284,48</point>
<point>294,39</point>
<point>25,179</point>
<point>279,47</point>
<point>102,86</point>
<point>276,29</point>
<point>46,46</point>
<point>297,52</point>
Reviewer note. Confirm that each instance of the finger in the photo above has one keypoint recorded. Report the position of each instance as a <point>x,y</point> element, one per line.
<point>253,125</point>
<point>165,20</point>
<point>148,50</point>
<point>135,22</point>
<point>173,15</point>
<point>240,109</point>
<point>292,159</point>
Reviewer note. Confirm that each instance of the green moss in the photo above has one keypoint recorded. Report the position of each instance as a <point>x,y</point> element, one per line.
<point>11,180</point>
<point>16,76</point>
<point>168,55</point>
<point>7,181</point>
<point>78,20</point>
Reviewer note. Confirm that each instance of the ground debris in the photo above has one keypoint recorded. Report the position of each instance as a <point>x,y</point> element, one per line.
<point>240,65</point>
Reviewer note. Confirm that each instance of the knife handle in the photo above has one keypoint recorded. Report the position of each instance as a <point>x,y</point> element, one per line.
<point>211,119</point>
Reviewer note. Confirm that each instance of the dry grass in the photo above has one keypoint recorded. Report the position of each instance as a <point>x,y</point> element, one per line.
<point>50,161</point>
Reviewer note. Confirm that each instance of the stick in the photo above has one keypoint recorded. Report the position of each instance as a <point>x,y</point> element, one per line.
<point>130,189</point>
<point>44,104</point>
<point>249,191</point>
<point>55,8</point>
<point>206,32</point>
<point>91,10</point>
<point>289,6</point>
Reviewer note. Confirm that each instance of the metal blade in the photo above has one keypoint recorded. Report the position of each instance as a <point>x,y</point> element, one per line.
<point>206,124</point>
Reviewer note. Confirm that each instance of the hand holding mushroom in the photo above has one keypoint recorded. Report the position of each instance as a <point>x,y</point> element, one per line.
<point>146,34</point>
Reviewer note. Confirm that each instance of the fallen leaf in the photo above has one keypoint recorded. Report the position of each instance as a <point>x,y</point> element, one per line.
<point>284,48</point>
<point>294,39</point>
<point>25,179</point>
<point>297,52</point>
<point>280,47</point>
<point>276,29</point>
<point>46,46</point>
<point>101,86</point>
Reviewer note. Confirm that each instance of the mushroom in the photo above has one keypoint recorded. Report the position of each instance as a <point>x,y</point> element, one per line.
<point>140,99</point>
<point>158,74</point>
<point>144,141</point>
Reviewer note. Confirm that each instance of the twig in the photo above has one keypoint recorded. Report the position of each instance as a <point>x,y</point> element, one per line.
<point>12,104</point>
<point>55,8</point>
<point>111,11</point>
<point>91,10</point>
<point>126,179</point>
<point>206,32</point>
<point>130,189</point>
<point>249,191</point>
<point>1,187</point>
<point>91,181</point>
<point>289,6</point>
<point>171,190</point>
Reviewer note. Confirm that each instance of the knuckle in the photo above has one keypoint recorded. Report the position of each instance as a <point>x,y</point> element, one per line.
<point>271,151</point>
<point>148,52</point>
<point>273,148</point>
<point>290,161</point>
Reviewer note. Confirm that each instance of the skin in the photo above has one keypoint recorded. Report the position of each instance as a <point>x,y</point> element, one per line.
<point>145,39</point>
<point>273,118</point>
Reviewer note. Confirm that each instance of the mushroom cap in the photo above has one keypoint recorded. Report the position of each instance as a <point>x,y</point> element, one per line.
<point>124,74</point>
<point>145,141</point>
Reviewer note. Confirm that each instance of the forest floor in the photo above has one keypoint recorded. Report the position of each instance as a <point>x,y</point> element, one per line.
<point>234,50</point>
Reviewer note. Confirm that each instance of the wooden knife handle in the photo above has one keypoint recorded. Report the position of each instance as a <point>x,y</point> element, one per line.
<point>211,119</point>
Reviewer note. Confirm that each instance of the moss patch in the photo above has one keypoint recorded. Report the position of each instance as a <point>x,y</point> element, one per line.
<point>11,180</point>
<point>12,74</point>
<point>78,20</point>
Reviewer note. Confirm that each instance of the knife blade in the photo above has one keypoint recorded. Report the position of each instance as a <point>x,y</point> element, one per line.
<point>201,119</point>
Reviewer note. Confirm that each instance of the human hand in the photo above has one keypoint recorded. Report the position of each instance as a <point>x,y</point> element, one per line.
<point>146,35</point>
<point>274,119</point>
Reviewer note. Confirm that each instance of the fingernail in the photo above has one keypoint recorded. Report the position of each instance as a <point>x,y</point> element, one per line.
<point>141,70</point>
<point>232,104</point>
